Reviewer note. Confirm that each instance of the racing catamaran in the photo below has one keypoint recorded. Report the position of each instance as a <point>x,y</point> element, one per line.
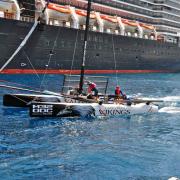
<point>64,105</point>
<point>64,109</point>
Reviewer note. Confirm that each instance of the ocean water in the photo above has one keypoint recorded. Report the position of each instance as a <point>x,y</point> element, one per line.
<point>137,147</point>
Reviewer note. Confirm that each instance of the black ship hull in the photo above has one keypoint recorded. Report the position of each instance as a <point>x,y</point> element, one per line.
<point>58,50</point>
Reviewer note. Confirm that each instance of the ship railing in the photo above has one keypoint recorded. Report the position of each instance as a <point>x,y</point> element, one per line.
<point>173,4</point>
<point>13,16</point>
<point>62,23</point>
<point>167,37</point>
<point>27,19</point>
<point>161,2</point>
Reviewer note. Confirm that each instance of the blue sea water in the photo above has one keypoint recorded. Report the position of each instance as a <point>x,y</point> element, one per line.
<point>136,147</point>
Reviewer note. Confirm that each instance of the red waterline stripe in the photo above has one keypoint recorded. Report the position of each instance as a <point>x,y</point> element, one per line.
<point>63,71</point>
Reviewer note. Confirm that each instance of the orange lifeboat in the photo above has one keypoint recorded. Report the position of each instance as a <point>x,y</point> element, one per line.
<point>129,23</point>
<point>147,26</point>
<point>84,13</point>
<point>58,8</point>
<point>109,18</point>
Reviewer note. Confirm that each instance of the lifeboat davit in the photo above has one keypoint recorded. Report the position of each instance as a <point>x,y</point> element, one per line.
<point>148,30</point>
<point>131,27</point>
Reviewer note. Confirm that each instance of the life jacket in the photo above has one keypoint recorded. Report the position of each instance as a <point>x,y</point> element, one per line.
<point>91,87</point>
<point>117,92</point>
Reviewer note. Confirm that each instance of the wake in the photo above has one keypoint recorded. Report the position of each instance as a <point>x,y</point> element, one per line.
<point>164,99</point>
<point>170,110</point>
<point>169,104</point>
<point>171,98</point>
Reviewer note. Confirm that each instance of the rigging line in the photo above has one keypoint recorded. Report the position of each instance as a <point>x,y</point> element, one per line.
<point>22,85</point>
<point>20,46</point>
<point>24,40</point>
<point>74,52</point>
<point>31,64</point>
<point>49,60</point>
<point>114,57</point>
<point>19,88</point>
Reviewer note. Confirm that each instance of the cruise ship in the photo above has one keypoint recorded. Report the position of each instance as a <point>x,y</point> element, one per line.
<point>125,36</point>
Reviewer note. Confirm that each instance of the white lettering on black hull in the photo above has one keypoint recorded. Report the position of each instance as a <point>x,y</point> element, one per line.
<point>42,110</point>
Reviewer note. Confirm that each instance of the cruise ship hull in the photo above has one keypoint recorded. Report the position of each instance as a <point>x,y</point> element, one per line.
<point>58,50</point>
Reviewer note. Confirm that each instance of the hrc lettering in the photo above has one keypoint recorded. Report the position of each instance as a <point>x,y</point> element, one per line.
<point>42,109</point>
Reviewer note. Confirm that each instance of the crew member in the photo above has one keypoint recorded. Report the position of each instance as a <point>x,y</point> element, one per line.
<point>119,95</point>
<point>92,90</point>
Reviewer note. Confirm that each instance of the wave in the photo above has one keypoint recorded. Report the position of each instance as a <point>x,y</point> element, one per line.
<point>173,178</point>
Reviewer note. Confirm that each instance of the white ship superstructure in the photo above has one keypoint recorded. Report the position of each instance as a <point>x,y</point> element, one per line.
<point>163,14</point>
<point>149,19</point>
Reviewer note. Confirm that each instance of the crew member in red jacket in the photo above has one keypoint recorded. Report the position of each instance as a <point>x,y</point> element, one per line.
<point>92,89</point>
<point>119,94</point>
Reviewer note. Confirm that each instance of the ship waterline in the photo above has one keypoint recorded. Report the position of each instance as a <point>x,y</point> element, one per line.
<point>63,71</point>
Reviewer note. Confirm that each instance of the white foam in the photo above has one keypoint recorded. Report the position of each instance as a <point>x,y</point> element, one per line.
<point>173,178</point>
<point>166,99</point>
<point>171,98</point>
<point>171,110</point>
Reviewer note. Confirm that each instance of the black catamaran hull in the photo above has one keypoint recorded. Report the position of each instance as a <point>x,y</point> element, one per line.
<point>24,100</point>
<point>55,50</point>
<point>45,109</point>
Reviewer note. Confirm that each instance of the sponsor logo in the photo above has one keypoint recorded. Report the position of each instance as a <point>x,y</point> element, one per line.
<point>23,64</point>
<point>42,109</point>
<point>113,112</point>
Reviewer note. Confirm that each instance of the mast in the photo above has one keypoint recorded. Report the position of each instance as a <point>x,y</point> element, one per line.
<point>84,47</point>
